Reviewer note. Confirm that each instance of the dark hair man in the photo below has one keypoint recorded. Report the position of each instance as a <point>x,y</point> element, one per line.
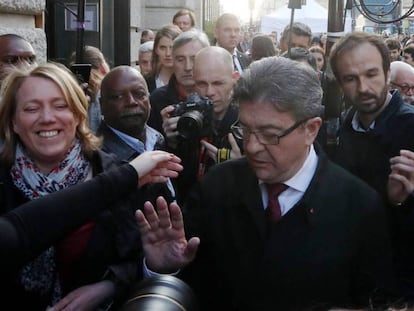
<point>227,34</point>
<point>408,55</point>
<point>394,46</point>
<point>301,37</point>
<point>328,246</point>
<point>376,129</point>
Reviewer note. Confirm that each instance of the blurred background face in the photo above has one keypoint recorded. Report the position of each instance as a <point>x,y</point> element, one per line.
<point>44,121</point>
<point>183,22</point>
<point>144,62</point>
<point>164,52</point>
<point>320,61</point>
<point>227,34</point>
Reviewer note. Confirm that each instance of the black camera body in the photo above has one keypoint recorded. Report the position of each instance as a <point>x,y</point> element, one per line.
<point>196,117</point>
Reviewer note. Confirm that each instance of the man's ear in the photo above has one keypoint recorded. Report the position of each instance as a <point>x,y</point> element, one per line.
<point>312,127</point>
<point>235,76</point>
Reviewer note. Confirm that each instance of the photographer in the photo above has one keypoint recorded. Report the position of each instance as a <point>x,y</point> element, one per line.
<point>214,78</point>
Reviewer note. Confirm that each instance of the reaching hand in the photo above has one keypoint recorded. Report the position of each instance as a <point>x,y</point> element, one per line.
<point>156,166</point>
<point>401,179</point>
<point>212,150</point>
<point>235,150</point>
<point>165,246</point>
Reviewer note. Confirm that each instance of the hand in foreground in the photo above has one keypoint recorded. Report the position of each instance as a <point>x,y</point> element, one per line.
<point>401,179</point>
<point>156,166</point>
<point>212,150</point>
<point>165,246</point>
<point>85,298</point>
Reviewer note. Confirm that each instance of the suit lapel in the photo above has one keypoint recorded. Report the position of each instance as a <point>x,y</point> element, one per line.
<point>252,200</point>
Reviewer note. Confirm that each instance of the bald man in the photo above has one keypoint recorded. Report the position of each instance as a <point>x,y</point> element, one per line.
<point>214,77</point>
<point>15,51</point>
<point>402,79</point>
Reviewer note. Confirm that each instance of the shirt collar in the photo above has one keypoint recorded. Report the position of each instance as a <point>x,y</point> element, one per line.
<point>151,138</point>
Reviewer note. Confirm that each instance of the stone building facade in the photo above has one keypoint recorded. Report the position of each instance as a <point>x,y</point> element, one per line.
<point>25,18</point>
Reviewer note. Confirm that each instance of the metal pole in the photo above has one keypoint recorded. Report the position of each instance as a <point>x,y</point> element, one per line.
<point>332,93</point>
<point>335,23</point>
<point>80,31</point>
<point>292,15</point>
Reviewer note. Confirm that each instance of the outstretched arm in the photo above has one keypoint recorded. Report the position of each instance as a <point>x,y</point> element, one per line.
<point>32,227</point>
<point>165,246</point>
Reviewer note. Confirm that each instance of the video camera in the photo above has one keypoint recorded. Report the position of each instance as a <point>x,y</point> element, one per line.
<point>196,117</point>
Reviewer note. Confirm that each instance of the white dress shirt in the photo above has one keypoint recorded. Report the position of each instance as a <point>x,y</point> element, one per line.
<point>297,184</point>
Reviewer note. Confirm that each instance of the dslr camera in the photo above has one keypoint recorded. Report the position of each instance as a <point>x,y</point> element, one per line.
<point>196,117</point>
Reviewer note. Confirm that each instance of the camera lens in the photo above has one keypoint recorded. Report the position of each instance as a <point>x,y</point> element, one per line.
<point>190,124</point>
<point>163,292</point>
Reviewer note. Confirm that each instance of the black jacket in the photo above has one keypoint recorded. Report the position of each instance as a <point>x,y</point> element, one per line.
<point>367,156</point>
<point>332,249</point>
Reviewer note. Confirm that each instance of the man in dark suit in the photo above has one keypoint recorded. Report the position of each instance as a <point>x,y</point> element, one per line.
<point>329,245</point>
<point>228,35</point>
<point>125,109</point>
<point>378,126</point>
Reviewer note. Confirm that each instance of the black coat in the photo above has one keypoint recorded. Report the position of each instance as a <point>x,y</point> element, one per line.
<point>331,249</point>
<point>367,155</point>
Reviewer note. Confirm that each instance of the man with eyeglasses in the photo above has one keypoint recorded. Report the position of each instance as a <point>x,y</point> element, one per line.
<point>374,133</point>
<point>15,51</point>
<point>329,246</point>
<point>125,109</point>
<point>402,79</point>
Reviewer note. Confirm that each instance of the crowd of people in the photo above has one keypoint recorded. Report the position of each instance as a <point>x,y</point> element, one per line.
<point>206,162</point>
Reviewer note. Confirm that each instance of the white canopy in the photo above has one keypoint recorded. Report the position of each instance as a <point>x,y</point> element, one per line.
<point>312,14</point>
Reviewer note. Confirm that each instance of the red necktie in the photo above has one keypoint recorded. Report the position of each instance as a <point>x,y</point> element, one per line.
<point>273,210</point>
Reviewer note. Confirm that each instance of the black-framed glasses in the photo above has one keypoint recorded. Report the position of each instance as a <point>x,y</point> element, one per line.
<point>404,87</point>
<point>265,137</point>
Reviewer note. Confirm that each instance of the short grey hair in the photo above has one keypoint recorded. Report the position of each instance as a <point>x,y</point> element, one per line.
<point>288,85</point>
<point>146,47</point>
<point>398,67</point>
<point>189,36</point>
